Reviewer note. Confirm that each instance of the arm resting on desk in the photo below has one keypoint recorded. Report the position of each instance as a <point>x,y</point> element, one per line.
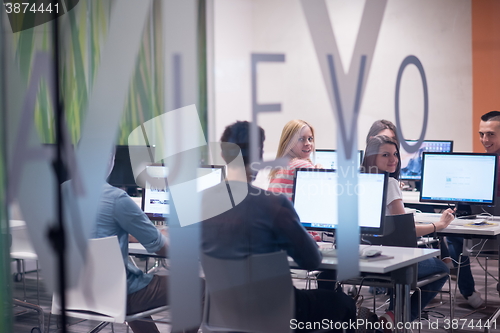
<point>163,251</point>
<point>446,218</point>
<point>396,207</point>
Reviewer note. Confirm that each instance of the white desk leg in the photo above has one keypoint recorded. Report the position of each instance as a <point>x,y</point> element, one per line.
<point>403,279</point>
<point>407,308</point>
<point>402,309</point>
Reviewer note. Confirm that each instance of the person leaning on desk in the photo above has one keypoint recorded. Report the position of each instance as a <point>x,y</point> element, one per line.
<point>118,215</point>
<point>382,155</point>
<point>489,135</point>
<point>489,131</point>
<point>266,222</point>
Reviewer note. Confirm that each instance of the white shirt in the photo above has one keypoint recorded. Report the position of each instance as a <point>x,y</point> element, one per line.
<point>393,193</point>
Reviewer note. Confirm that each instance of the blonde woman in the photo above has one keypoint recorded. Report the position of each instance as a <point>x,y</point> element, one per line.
<point>296,143</point>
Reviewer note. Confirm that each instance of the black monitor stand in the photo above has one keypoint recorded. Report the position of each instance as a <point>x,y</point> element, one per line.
<point>464,211</point>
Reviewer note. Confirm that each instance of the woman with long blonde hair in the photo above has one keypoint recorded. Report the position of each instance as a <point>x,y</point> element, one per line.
<point>297,144</point>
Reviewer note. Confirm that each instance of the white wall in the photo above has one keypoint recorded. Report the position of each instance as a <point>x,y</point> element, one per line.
<point>437,32</point>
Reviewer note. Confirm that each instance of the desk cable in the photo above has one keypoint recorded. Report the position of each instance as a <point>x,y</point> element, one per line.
<point>488,216</point>
<point>479,262</point>
<point>482,243</point>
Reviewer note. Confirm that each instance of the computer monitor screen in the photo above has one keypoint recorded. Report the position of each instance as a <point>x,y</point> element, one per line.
<point>411,164</point>
<point>466,178</point>
<point>156,196</point>
<point>328,158</point>
<point>122,174</point>
<point>208,176</point>
<point>315,194</point>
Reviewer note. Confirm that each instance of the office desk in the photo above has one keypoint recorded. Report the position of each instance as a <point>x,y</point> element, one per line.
<point>138,249</point>
<point>400,268</point>
<point>403,257</point>
<point>458,227</point>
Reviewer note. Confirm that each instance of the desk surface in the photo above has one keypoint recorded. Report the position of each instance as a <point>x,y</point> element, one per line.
<point>138,249</point>
<point>458,226</point>
<point>403,257</point>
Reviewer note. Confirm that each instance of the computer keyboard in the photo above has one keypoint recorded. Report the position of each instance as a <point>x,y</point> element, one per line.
<point>328,252</point>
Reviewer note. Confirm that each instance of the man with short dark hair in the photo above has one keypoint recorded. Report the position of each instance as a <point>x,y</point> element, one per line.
<point>265,223</point>
<point>119,215</point>
<point>489,132</point>
<point>489,135</point>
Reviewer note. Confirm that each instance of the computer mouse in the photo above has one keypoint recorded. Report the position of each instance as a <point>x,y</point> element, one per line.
<point>371,253</point>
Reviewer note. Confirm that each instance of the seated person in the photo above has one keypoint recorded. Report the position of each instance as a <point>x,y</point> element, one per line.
<point>297,144</point>
<point>489,135</point>
<point>119,215</point>
<point>266,223</point>
<point>451,247</point>
<point>382,155</point>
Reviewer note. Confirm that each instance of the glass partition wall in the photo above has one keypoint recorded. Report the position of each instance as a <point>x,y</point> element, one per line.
<point>130,72</point>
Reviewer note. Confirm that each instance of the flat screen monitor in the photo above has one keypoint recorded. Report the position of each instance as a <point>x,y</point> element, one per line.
<point>208,176</point>
<point>315,194</point>
<point>411,164</point>
<point>156,196</point>
<point>465,178</point>
<point>328,158</point>
<point>122,174</point>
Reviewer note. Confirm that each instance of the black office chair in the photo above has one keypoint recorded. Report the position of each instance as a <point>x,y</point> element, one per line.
<point>399,230</point>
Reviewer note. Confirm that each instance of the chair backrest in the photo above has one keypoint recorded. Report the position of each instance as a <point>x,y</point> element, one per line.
<point>102,287</point>
<point>254,294</point>
<point>21,242</point>
<point>399,230</point>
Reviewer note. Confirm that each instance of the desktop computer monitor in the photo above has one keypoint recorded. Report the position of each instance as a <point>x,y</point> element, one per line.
<point>315,194</point>
<point>328,158</point>
<point>411,164</point>
<point>465,178</point>
<point>208,176</point>
<point>156,196</point>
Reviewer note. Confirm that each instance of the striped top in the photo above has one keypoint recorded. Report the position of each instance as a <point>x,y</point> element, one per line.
<point>282,182</point>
